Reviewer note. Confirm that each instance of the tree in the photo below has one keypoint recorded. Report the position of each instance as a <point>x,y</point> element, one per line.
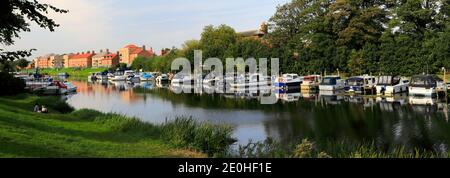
<point>216,40</point>
<point>22,63</point>
<point>13,20</point>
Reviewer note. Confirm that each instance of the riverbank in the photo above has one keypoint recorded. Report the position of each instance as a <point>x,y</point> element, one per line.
<point>84,133</point>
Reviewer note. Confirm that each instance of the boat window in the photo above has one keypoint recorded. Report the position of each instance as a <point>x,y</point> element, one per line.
<point>423,81</point>
<point>329,81</point>
<point>355,82</point>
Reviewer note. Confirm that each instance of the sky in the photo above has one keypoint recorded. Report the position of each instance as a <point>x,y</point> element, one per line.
<point>112,24</point>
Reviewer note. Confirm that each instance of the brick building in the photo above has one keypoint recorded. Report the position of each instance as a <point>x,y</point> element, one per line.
<point>130,52</point>
<point>83,60</point>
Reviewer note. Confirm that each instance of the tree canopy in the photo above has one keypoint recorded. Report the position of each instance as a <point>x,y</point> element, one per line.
<point>15,16</point>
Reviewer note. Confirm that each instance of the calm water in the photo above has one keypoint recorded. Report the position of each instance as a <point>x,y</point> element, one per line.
<point>398,120</point>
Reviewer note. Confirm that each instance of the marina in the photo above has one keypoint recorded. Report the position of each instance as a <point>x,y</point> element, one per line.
<point>297,113</point>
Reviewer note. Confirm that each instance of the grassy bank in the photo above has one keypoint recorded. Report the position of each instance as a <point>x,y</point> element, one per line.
<point>88,133</point>
<point>73,72</point>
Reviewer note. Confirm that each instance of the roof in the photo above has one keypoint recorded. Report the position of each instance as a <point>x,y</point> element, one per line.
<point>110,56</point>
<point>130,46</point>
<point>80,56</point>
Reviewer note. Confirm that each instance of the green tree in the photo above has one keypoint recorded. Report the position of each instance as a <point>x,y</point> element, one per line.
<point>216,40</point>
<point>22,63</point>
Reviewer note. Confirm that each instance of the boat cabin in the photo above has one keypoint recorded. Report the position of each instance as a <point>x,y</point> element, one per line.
<point>388,80</point>
<point>424,81</point>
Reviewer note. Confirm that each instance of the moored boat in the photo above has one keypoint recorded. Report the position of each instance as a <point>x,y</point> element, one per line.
<point>424,85</point>
<point>331,83</point>
<point>311,82</point>
<point>288,80</point>
<point>361,84</point>
<point>389,85</point>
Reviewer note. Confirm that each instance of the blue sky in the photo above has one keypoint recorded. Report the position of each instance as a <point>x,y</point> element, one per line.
<point>101,24</point>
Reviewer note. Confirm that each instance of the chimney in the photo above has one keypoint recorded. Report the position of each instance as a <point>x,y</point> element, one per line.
<point>143,47</point>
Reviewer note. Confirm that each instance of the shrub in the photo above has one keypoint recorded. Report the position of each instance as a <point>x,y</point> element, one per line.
<point>9,85</point>
<point>211,139</point>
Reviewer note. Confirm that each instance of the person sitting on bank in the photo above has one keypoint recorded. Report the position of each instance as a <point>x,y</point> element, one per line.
<point>44,109</point>
<point>37,108</point>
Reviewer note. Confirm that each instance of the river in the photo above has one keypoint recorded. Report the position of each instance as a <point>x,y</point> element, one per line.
<point>399,120</point>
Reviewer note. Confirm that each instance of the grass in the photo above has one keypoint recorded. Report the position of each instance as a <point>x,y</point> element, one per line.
<point>73,72</point>
<point>82,133</point>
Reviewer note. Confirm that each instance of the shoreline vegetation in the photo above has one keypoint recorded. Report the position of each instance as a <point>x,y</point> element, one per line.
<point>66,132</point>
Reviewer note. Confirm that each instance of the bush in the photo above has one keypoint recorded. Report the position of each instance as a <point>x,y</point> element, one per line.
<point>10,85</point>
<point>213,140</point>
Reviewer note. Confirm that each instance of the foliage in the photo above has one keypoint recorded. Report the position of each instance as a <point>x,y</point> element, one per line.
<point>10,85</point>
<point>354,36</point>
<point>15,17</point>
<point>22,63</point>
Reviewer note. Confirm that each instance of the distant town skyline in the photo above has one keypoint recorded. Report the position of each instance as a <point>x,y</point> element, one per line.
<point>112,24</point>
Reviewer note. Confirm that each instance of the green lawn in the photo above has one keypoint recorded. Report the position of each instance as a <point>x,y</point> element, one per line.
<point>24,133</point>
<point>74,72</point>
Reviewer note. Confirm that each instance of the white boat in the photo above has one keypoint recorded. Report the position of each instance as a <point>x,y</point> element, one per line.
<point>331,83</point>
<point>162,78</point>
<point>424,85</point>
<point>360,84</point>
<point>252,80</point>
<point>288,80</point>
<point>389,85</point>
<point>131,76</point>
<point>118,78</point>
<point>311,82</point>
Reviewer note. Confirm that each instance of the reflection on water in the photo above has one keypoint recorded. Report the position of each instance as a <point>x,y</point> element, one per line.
<point>409,121</point>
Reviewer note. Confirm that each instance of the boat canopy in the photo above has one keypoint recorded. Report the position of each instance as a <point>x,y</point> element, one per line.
<point>330,80</point>
<point>355,81</point>
<point>388,80</point>
<point>424,81</point>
